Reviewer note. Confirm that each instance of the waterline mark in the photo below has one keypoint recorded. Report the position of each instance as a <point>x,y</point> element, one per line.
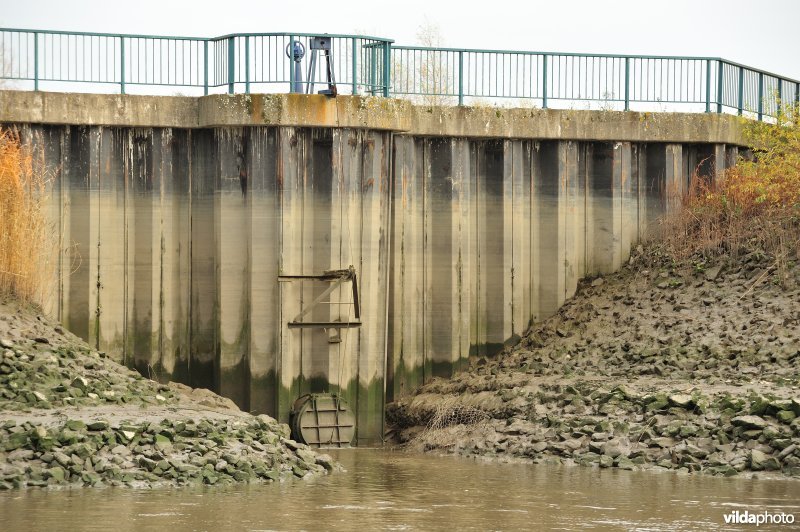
<point>762,518</point>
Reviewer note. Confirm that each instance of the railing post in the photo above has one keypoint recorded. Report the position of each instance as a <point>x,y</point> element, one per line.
<point>35,61</point>
<point>122,65</point>
<point>354,54</point>
<point>460,78</point>
<point>627,83</point>
<point>544,82</point>
<point>373,69</point>
<point>708,85</point>
<point>778,105</point>
<point>231,63</point>
<point>247,64</point>
<point>741,90</point>
<point>720,70</point>
<point>205,67</point>
<point>291,64</point>
<point>387,74</point>
<point>760,96</point>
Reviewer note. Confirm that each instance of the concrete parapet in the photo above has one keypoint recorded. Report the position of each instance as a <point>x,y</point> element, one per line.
<point>317,111</point>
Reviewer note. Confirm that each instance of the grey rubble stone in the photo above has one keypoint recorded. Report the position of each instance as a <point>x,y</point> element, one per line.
<point>97,425</point>
<point>712,273</point>
<point>681,400</point>
<point>79,383</point>
<point>606,461</point>
<point>750,422</point>
<point>787,451</point>
<point>759,461</point>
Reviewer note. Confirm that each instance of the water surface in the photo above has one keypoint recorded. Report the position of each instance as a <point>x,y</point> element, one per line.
<point>385,490</point>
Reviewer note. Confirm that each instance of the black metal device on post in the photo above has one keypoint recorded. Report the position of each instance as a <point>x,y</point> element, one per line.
<point>322,43</point>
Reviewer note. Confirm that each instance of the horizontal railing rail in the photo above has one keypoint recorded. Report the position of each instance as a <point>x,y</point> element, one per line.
<point>374,65</point>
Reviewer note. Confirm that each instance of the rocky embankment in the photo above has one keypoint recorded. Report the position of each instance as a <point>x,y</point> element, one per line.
<point>70,417</point>
<point>692,367</point>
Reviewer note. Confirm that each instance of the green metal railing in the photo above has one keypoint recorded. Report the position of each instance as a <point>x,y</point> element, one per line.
<point>229,61</point>
<point>701,83</point>
<point>373,65</point>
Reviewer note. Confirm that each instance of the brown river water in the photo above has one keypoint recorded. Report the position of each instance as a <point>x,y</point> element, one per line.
<point>386,490</point>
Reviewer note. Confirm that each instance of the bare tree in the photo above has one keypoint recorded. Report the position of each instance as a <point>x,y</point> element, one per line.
<point>432,75</point>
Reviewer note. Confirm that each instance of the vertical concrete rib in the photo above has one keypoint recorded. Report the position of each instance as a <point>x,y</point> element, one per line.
<point>654,179</point>
<point>408,242</point>
<point>627,200</point>
<point>78,213</point>
<point>720,162</point>
<point>204,362</point>
<point>604,195</point>
<point>317,175</point>
<point>551,282</point>
<point>374,267</point>
<point>535,228</point>
<point>464,186</point>
<point>674,177</point>
<point>176,258</point>
<point>349,164</point>
<point>574,218</point>
<point>521,227</point>
<point>441,256</point>
<point>494,294</point>
<point>142,192</point>
<point>111,252</point>
<point>291,263</point>
<point>265,226</point>
<point>47,155</point>
<point>232,206</point>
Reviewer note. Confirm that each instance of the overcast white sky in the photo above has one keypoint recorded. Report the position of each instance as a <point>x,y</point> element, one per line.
<point>758,33</point>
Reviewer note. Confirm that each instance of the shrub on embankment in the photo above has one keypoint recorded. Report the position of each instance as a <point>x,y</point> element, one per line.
<point>24,236</point>
<point>755,206</point>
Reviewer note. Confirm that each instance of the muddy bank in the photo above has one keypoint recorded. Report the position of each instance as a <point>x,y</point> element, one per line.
<point>70,417</point>
<point>690,367</point>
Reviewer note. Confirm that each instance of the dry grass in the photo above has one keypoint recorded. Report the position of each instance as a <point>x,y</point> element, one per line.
<point>26,251</point>
<point>754,207</point>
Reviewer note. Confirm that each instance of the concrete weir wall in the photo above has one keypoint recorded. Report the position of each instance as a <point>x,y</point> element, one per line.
<point>175,216</point>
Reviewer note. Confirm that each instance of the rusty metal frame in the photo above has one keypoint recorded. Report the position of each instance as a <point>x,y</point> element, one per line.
<point>336,278</point>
